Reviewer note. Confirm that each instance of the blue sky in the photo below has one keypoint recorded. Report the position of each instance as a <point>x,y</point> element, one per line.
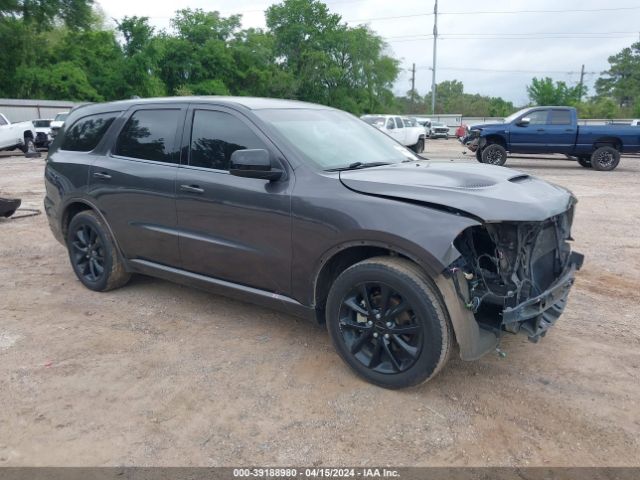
<point>554,43</point>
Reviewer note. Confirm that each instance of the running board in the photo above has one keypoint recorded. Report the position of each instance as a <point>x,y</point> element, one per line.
<point>263,298</point>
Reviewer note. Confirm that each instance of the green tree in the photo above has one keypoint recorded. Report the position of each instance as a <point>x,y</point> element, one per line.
<point>545,91</point>
<point>622,81</point>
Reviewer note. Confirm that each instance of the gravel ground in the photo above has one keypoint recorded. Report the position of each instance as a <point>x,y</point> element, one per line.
<point>159,374</point>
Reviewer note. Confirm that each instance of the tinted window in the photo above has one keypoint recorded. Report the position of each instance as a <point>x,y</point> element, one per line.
<point>390,124</point>
<point>215,136</point>
<point>2,121</point>
<point>560,117</point>
<point>150,135</point>
<point>538,117</point>
<point>399,123</point>
<point>85,134</point>
<point>41,123</point>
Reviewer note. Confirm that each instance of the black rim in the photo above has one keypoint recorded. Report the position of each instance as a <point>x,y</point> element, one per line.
<point>88,253</point>
<point>380,328</point>
<point>605,159</point>
<point>494,156</point>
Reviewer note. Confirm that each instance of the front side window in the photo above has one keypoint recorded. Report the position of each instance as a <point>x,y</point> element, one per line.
<point>390,124</point>
<point>215,136</point>
<point>538,117</point>
<point>85,134</point>
<point>150,135</point>
<point>560,117</point>
<point>3,121</point>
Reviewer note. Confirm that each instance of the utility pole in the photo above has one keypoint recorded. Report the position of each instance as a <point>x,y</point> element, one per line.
<point>435,50</point>
<point>581,84</point>
<point>413,87</point>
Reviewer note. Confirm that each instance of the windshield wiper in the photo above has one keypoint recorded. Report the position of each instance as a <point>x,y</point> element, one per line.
<point>358,165</point>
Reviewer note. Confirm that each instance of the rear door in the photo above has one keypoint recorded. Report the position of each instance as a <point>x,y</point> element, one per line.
<point>401,131</point>
<point>560,131</point>
<point>232,228</point>
<point>134,183</point>
<point>529,138</point>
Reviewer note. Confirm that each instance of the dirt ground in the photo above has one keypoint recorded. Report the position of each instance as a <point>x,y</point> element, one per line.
<point>160,374</point>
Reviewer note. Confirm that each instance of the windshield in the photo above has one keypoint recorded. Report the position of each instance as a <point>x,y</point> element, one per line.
<point>373,120</point>
<point>41,123</point>
<point>61,117</point>
<point>332,139</point>
<point>513,116</point>
<point>437,124</point>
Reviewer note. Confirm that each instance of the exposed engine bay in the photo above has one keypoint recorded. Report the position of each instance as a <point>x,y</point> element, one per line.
<point>516,275</point>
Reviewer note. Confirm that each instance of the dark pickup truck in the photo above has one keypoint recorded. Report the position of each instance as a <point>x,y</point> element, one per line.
<point>553,130</point>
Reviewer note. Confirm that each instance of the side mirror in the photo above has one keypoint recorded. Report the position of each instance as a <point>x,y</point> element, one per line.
<point>253,164</point>
<point>524,122</point>
<point>391,127</point>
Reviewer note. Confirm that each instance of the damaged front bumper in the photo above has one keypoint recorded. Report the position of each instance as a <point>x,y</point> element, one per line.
<point>536,315</point>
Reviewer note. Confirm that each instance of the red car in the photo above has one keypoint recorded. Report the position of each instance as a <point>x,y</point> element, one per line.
<point>462,131</point>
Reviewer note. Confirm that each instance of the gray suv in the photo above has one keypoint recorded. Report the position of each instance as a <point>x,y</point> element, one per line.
<point>309,210</point>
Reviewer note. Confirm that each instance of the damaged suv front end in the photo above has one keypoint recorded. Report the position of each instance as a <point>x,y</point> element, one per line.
<point>516,276</point>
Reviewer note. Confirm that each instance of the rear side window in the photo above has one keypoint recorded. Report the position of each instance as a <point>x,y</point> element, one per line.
<point>150,135</point>
<point>560,117</point>
<point>215,136</point>
<point>85,134</point>
<point>399,123</point>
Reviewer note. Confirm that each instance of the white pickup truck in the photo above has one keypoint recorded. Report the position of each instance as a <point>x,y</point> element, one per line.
<point>403,129</point>
<point>16,135</point>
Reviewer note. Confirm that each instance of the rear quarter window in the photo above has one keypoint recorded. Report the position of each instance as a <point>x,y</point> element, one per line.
<point>85,134</point>
<point>150,135</point>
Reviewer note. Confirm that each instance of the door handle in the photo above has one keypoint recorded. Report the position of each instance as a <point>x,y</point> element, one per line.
<point>540,130</point>
<point>102,175</point>
<point>569,130</point>
<point>191,188</point>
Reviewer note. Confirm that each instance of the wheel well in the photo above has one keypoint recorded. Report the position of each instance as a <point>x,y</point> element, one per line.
<point>608,141</point>
<point>71,211</point>
<point>28,134</point>
<point>495,139</point>
<point>338,264</point>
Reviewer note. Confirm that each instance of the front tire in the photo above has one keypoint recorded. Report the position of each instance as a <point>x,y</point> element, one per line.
<point>93,254</point>
<point>418,147</point>
<point>494,154</point>
<point>479,155</point>
<point>387,322</point>
<point>605,159</point>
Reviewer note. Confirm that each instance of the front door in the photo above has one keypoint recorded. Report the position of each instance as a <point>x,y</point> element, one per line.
<point>232,228</point>
<point>529,138</point>
<point>134,184</point>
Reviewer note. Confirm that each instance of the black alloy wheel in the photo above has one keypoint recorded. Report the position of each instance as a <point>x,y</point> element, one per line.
<point>93,253</point>
<point>494,154</point>
<point>605,159</point>
<point>88,254</point>
<point>386,320</point>
<point>380,329</point>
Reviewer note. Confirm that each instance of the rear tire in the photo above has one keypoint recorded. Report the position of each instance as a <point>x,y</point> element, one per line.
<point>584,161</point>
<point>396,336</point>
<point>93,254</point>
<point>605,159</point>
<point>494,154</point>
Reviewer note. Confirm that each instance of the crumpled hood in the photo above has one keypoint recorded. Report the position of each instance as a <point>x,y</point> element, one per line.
<point>490,193</point>
<point>487,125</point>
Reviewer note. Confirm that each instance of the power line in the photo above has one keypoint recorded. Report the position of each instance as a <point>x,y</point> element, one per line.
<point>450,38</point>
<point>484,12</point>
<point>490,70</point>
